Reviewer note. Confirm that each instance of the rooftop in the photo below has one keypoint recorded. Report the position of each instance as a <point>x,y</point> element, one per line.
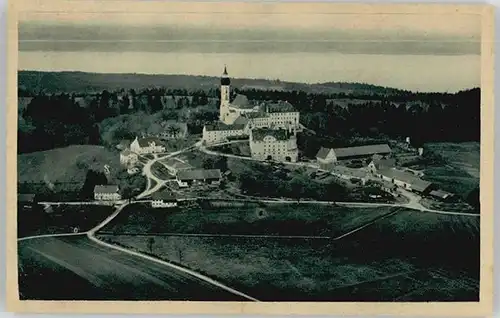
<point>106,188</point>
<point>384,163</point>
<point>241,101</point>
<point>260,133</point>
<point>144,142</point>
<point>362,150</point>
<point>241,121</point>
<point>126,152</point>
<point>415,182</point>
<point>199,174</point>
<point>323,153</point>
<point>218,126</point>
<point>280,107</point>
<point>163,195</point>
<point>440,194</point>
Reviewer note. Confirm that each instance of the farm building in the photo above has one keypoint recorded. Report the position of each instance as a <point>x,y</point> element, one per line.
<point>405,180</point>
<point>441,195</point>
<point>186,178</point>
<point>328,156</point>
<point>106,193</point>
<point>163,199</point>
<point>219,132</point>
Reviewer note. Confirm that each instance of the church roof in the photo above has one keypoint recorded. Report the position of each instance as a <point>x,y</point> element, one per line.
<point>323,153</point>
<point>241,121</point>
<point>241,101</point>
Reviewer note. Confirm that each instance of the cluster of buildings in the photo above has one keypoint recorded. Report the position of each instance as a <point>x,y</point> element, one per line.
<point>271,127</point>
<point>130,151</point>
<point>381,167</point>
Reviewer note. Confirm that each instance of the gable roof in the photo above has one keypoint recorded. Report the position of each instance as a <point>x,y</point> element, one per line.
<point>106,188</point>
<point>415,182</point>
<point>144,142</point>
<point>123,144</point>
<point>441,194</point>
<point>241,101</point>
<point>323,153</point>
<point>362,150</point>
<point>199,174</point>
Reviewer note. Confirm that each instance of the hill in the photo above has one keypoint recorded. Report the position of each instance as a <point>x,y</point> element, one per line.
<point>65,169</point>
<point>67,82</point>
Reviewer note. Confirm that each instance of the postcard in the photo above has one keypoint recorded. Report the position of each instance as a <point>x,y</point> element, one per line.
<point>250,158</point>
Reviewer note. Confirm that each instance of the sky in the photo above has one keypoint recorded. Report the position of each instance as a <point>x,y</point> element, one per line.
<point>418,51</point>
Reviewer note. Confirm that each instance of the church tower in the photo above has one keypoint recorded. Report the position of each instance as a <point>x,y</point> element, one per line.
<point>225,84</point>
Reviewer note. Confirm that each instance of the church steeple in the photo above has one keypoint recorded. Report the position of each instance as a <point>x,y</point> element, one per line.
<point>225,81</point>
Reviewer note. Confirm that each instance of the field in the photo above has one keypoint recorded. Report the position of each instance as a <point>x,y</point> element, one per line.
<point>252,219</point>
<point>67,165</point>
<point>60,219</point>
<point>409,256</point>
<point>461,173</point>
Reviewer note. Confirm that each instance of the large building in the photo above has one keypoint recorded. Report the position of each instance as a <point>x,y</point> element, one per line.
<point>240,118</point>
<point>274,144</point>
<point>279,114</point>
<point>405,180</point>
<point>186,178</point>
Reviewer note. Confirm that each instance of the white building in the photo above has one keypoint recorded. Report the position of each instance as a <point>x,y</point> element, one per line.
<point>328,156</point>
<point>274,144</point>
<point>219,132</point>
<point>147,145</point>
<point>128,158</point>
<point>106,193</point>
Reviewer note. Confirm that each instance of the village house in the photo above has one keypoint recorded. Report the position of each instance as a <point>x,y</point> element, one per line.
<point>186,178</point>
<point>147,145</point>
<point>163,199</point>
<point>405,180</point>
<point>106,193</point>
<point>326,157</point>
<point>128,158</point>
<point>274,144</point>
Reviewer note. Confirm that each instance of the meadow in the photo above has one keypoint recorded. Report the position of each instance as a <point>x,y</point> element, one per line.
<point>405,256</point>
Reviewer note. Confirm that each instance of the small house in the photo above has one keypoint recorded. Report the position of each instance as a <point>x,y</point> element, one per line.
<point>405,180</point>
<point>106,193</point>
<point>163,199</point>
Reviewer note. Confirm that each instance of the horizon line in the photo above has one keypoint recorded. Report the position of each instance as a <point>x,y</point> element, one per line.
<point>255,79</point>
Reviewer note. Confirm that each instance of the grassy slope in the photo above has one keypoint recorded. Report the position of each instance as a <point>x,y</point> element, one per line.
<point>461,174</point>
<point>69,164</point>
<point>406,256</point>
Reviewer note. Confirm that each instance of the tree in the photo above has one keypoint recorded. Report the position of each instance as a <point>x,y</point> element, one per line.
<point>473,198</point>
<point>151,242</point>
<point>92,179</point>
<point>208,163</point>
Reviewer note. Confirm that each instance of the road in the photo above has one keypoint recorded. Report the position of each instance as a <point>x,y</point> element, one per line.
<point>77,268</point>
